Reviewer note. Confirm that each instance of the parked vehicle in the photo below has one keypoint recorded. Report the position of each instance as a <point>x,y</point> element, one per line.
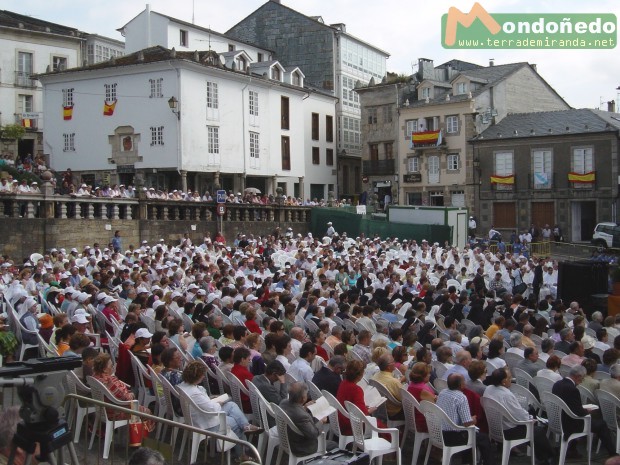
<point>606,235</point>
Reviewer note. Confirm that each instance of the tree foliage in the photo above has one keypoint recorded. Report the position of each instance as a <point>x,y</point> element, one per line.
<point>12,132</point>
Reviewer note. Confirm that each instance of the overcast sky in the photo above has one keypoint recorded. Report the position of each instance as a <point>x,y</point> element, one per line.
<point>408,30</point>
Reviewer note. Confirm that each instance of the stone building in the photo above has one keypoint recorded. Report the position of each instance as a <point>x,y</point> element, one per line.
<point>332,60</point>
<point>445,106</point>
<point>557,167</point>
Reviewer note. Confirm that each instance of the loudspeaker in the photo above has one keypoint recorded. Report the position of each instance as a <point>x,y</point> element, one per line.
<point>578,281</point>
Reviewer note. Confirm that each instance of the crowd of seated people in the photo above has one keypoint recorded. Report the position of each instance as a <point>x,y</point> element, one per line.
<point>283,311</point>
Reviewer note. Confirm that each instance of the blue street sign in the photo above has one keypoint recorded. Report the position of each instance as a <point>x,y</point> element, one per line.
<point>221,196</point>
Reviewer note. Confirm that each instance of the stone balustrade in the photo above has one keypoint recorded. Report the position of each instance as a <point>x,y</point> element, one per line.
<point>71,207</point>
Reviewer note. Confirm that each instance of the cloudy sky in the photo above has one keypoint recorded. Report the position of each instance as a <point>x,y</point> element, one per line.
<point>408,30</point>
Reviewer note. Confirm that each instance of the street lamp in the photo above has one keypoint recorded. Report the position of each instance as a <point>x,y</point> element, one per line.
<point>173,103</point>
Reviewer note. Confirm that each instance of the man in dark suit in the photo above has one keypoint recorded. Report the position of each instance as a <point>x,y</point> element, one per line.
<point>308,442</point>
<point>328,377</point>
<point>479,284</point>
<point>566,338</point>
<point>566,389</point>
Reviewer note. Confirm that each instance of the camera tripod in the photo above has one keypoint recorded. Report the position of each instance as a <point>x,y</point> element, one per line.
<point>50,439</point>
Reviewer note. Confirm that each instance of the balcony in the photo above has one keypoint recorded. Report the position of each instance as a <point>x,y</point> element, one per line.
<point>30,121</point>
<point>541,181</point>
<point>378,167</point>
<point>24,79</point>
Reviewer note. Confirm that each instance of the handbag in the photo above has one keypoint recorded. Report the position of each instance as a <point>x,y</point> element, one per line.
<point>136,428</point>
<point>519,289</point>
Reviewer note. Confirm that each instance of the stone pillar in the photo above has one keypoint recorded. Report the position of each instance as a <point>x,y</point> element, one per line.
<point>302,193</point>
<point>184,180</point>
<point>47,189</point>
<point>216,182</point>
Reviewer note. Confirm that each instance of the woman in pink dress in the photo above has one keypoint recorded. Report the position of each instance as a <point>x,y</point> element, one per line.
<point>420,389</point>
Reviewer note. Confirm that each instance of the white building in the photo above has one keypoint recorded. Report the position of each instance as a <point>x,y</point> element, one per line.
<point>29,46</point>
<point>112,122</point>
<point>101,48</point>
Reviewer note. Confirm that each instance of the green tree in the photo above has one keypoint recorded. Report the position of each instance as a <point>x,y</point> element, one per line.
<point>12,132</point>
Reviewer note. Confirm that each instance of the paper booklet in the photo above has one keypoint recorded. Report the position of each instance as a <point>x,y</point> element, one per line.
<point>372,397</point>
<point>221,399</point>
<point>321,408</point>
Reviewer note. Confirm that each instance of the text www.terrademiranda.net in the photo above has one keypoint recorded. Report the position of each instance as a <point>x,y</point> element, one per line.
<point>546,42</point>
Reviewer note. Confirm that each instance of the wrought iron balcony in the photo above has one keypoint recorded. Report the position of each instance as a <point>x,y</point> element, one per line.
<point>378,167</point>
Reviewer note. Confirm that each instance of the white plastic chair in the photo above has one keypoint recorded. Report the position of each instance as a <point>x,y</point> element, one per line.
<point>526,398</point>
<point>101,393</point>
<point>512,360</point>
<point>555,408</point>
<point>601,375</point>
<point>497,416</point>
<point>313,391</point>
<point>19,333</point>
<point>160,399</point>
<point>439,368</point>
<point>374,446</point>
<point>237,388</point>
<point>543,385</point>
<point>334,422</point>
<point>435,417</point>
<point>169,392</point>
<point>77,411</point>
<point>261,409</point>
<point>610,409</point>
<point>523,378</point>
<point>410,405</point>
<point>140,376</point>
<point>283,423</point>
<point>188,406</point>
<point>440,384</point>
<point>390,398</point>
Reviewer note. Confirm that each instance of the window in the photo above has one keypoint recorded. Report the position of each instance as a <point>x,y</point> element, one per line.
<point>98,53</point>
<point>69,140</point>
<point>461,88</point>
<point>389,150</point>
<point>157,135</point>
<point>425,92</point>
<point>275,74</point>
<point>582,163</point>
<point>254,150</point>
<point>374,151</point>
<point>296,79</point>
<point>458,198</point>
<point>329,157</point>
<point>315,126</point>
<point>253,107</point>
<point>25,103</point>
<point>411,126</point>
<point>156,88</point>
<point>452,124</point>
<point>284,111</point>
<point>316,156</point>
<point>67,97</point>
<point>453,162</point>
<point>542,167</point>
<point>433,169</point>
<point>286,153</point>
<point>351,135</point>
<point>413,165</point>
<point>59,63</point>
<point>387,114</point>
<point>231,47</point>
<point>504,167</point>
<point>213,103</point>
<point>242,64</point>
<point>350,98</point>
<point>213,145</point>
<point>329,128</point>
<point>183,38</point>
<point>24,69</point>
<point>260,57</point>
<point>372,116</point>
<point>110,92</point>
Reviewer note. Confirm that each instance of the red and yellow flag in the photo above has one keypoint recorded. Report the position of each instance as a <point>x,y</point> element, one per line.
<point>582,177</point>
<point>108,108</point>
<point>426,138</point>
<point>503,179</point>
<point>67,112</point>
<point>27,123</point>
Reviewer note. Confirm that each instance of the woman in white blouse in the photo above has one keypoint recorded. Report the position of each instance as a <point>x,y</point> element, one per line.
<point>552,371</point>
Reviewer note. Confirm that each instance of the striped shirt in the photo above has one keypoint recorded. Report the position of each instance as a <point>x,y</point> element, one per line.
<point>454,403</point>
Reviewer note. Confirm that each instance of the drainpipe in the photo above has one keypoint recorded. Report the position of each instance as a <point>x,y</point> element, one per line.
<point>244,135</point>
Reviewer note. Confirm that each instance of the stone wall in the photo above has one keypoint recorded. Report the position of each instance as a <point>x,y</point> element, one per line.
<point>20,237</point>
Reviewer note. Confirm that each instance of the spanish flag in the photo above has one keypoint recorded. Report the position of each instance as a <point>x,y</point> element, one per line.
<point>27,123</point>
<point>67,112</point>
<point>425,138</point>
<point>108,108</point>
<point>503,179</point>
<point>579,177</point>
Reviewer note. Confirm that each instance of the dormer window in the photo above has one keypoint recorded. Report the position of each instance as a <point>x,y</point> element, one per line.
<point>242,63</point>
<point>296,79</point>
<point>461,88</point>
<point>425,92</point>
<point>275,73</point>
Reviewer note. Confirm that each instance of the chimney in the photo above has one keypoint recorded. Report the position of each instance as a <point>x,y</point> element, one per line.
<point>611,106</point>
<point>491,61</point>
<point>275,1</point>
<point>426,68</point>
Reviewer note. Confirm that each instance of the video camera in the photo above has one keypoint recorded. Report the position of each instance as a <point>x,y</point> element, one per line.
<point>40,388</point>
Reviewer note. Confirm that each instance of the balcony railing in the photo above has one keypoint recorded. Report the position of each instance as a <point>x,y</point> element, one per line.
<point>379,167</point>
<point>542,181</point>
<point>24,79</point>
